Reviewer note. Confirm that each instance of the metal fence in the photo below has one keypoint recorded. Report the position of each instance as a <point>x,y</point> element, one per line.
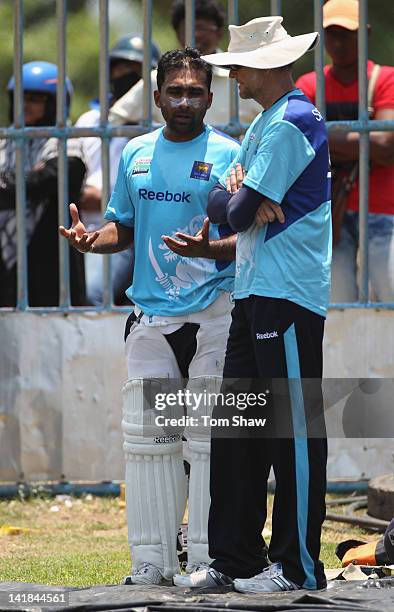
<point>105,131</point>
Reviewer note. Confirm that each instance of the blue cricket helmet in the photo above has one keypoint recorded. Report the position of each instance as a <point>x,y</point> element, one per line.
<point>42,77</point>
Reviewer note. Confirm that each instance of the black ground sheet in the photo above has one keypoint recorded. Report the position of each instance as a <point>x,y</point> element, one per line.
<point>369,595</point>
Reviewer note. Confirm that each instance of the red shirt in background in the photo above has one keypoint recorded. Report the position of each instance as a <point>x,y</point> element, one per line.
<point>342,104</point>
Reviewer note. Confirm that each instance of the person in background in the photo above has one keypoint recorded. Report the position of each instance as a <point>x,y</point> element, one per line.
<point>39,81</point>
<point>341,23</point>
<point>209,25</point>
<point>125,66</point>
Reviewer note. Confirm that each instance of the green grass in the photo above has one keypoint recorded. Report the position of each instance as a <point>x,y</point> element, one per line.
<point>79,546</point>
<point>80,569</point>
<point>89,568</point>
<point>328,555</point>
<point>86,544</point>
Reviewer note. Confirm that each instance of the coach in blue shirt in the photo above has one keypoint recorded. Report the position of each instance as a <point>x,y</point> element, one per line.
<point>276,195</point>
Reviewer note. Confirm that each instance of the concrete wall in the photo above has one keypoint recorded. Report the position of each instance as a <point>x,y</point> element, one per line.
<point>60,393</point>
<point>60,396</point>
<point>360,344</point>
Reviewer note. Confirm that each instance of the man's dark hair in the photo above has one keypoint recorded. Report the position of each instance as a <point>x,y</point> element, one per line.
<point>205,9</point>
<point>182,58</point>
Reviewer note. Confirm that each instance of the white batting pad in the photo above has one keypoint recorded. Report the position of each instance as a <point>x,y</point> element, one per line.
<point>155,484</point>
<point>197,453</point>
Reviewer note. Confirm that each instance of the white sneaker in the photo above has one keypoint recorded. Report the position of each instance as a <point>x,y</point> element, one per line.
<point>271,580</point>
<point>184,579</point>
<point>146,573</point>
<point>202,576</point>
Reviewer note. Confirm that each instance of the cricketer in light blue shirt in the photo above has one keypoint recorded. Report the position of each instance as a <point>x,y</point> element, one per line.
<point>285,157</point>
<point>162,188</point>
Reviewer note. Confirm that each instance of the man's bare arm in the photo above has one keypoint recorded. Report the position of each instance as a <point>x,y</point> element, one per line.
<point>200,245</point>
<point>345,146</point>
<point>223,249</point>
<point>111,238</point>
<point>90,198</point>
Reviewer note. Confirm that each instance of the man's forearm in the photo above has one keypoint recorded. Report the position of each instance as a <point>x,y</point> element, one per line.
<point>223,249</point>
<point>237,209</point>
<point>345,147</point>
<point>113,237</point>
<point>90,199</point>
<point>217,204</point>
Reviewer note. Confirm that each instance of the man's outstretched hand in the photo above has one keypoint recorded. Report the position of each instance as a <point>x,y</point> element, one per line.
<point>77,235</point>
<point>191,246</point>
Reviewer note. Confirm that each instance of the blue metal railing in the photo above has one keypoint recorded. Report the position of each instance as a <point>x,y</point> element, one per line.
<point>20,134</point>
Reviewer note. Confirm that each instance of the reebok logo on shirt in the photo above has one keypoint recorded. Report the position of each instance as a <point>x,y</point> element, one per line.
<point>164,196</point>
<point>267,335</point>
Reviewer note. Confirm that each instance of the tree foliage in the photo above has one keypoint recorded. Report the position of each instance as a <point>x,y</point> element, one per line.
<point>40,43</point>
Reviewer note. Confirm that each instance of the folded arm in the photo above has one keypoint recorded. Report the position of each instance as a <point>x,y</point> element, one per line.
<point>344,146</point>
<point>238,209</point>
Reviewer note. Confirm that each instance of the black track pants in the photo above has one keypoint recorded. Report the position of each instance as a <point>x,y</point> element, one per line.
<point>279,344</point>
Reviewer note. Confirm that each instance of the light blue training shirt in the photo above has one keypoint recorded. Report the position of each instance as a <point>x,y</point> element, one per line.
<point>162,188</point>
<point>285,155</point>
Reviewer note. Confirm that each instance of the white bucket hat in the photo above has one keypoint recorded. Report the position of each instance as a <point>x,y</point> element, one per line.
<point>263,43</point>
